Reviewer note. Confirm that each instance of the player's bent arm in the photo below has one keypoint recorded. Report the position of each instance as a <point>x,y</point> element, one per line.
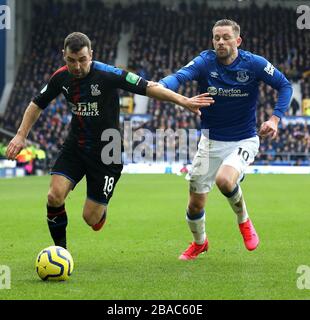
<point>267,73</point>
<point>30,117</point>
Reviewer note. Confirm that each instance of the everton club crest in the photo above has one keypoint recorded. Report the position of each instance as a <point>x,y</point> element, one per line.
<point>242,76</point>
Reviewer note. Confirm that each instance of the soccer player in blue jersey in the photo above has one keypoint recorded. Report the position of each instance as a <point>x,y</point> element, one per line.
<point>90,88</point>
<point>229,142</point>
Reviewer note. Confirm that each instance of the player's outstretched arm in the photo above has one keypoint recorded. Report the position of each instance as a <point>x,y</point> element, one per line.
<point>30,117</point>
<point>266,72</point>
<point>193,104</point>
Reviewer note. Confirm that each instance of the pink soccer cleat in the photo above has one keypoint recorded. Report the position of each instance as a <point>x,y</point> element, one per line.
<point>194,250</point>
<point>249,235</point>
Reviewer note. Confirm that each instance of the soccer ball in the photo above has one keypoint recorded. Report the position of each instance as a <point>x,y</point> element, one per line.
<point>54,263</point>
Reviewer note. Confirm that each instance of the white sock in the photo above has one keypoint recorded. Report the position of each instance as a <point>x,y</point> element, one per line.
<point>238,205</point>
<point>197,227</point>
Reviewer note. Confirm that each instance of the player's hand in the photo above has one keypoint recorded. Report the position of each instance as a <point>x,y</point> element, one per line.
<point>193,104</point>
<point>15,146</point>
<point>269,128</point>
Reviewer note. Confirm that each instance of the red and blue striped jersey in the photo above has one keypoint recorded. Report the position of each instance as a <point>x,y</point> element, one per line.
<point>93,100</point>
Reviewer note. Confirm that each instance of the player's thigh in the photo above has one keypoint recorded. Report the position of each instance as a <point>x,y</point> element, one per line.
<point>59,188</point>
<point>226,178</point>
<point>241,156</point>
<point>66,172</point>
<point>101,181</point>
<point>204,168</point>
<point>69,164</point>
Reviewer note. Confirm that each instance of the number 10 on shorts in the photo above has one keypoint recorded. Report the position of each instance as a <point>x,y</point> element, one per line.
<point>245,155</point>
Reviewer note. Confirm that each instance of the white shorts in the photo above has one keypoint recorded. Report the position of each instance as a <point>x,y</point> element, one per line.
<point>212,154</point>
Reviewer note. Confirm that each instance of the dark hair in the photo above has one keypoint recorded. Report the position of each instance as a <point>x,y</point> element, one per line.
<point>76,41</point>
<point>226,22</point>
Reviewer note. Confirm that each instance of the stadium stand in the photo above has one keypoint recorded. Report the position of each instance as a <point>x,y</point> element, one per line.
<point>180,34</point>
<point>164,39</point>
<point>43,57</point>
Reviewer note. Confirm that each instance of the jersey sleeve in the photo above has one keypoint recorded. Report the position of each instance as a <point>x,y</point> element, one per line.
<point>48,93</point>
<point>267,73</point>
<point>191,71</point>
<point>125,80</point>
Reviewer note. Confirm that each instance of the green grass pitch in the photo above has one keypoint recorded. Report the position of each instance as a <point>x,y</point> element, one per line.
<point>135,255</point>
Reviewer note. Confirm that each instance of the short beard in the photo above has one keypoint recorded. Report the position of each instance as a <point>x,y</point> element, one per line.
<point>226,57</point>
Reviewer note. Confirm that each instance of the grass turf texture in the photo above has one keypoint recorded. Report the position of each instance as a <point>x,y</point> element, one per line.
<point>135,255</point>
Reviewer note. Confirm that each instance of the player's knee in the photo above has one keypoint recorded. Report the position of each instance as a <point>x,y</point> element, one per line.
<point>55,198</point>
<point>225,184</point>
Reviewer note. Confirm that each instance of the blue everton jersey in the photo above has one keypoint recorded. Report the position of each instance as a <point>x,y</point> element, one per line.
<point>234,88</point>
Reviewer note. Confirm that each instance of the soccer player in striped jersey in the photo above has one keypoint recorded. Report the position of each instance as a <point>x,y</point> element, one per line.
<point>90,88</point>
<point>229,142</point>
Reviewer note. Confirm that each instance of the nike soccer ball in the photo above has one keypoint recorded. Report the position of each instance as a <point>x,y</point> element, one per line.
<point>54,263</point>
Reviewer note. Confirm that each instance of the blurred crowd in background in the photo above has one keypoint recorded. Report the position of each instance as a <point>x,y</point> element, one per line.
<point>164,39</point>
